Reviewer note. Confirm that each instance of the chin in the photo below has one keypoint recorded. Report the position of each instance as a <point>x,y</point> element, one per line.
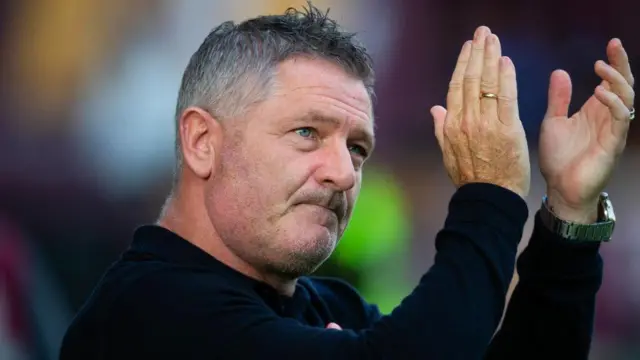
<point>307,252</point>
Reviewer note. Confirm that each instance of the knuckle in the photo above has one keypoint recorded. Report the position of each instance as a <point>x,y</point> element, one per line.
<point>448,130</point>
<point>488,84</point>
<point>455,85</point>
<point>506,100</point>
<point>466,125</point>
<point>472,77</point>
<point>462,63</point>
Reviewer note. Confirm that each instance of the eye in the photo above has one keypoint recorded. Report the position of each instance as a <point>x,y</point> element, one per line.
<point>359,150</point>
<point>306,132</point>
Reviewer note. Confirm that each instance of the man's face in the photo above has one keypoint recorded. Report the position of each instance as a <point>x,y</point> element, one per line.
<point>290,173</point>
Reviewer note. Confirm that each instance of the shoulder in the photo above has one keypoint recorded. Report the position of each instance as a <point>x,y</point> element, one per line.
<point>143,292</point>
<point>344,300</point>
<point>145,302</point>
<point>165,286</point>
<point>198,303</point>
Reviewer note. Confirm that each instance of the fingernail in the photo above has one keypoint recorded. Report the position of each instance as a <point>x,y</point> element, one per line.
<point>505,61</point>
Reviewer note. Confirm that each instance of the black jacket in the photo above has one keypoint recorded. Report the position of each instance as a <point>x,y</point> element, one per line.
<point>167,299</point>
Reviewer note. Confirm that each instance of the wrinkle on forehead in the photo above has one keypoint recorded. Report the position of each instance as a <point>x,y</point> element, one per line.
<point>315,86</point>
<point>321,77</point>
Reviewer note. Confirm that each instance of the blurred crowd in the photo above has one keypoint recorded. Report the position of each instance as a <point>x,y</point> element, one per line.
<point>86,140</point>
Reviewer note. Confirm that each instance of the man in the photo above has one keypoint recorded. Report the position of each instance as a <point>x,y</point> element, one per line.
<point>274,125</point>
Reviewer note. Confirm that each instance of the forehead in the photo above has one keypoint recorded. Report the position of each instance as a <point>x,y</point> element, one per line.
<point>321,87</point>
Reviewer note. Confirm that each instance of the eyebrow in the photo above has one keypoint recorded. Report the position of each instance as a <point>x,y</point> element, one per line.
<point>362,134</point>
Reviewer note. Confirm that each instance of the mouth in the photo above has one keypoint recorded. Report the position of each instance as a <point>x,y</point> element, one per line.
<point>334,212</point>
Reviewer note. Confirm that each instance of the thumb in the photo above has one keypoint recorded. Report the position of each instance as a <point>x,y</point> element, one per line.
<point>439,114</point>
<point>559,94</point>
<point>334,326</point>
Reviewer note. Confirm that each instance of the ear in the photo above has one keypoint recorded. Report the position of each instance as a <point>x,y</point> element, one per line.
<point>200,136</point>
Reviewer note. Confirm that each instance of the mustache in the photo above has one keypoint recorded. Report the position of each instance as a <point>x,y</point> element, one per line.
<point>334,201</point>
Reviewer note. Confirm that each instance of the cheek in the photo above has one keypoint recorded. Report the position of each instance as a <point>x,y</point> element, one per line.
<point>233,191</point>
<point>285,169</point>
<point>259,181</point>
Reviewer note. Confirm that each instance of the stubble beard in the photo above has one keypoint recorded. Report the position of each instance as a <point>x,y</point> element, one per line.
<point>300,259</point>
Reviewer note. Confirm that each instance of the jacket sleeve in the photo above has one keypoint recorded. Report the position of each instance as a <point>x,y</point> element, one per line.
<point>551,312</point>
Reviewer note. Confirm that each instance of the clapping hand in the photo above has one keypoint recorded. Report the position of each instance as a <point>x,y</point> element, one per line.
<point>578,153</point>
<point>480,132</point>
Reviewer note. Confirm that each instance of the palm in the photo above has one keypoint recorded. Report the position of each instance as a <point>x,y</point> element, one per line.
<point>577,154</point>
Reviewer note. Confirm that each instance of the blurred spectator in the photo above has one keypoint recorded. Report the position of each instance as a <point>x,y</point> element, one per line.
<point>14,329</point>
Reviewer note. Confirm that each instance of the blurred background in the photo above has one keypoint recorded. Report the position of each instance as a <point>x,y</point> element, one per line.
<point>88,91</point>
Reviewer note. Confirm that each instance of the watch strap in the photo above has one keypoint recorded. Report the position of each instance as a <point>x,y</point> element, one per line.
<point>596,232</point>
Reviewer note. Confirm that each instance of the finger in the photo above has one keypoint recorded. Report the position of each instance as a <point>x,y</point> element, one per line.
<point>439,115</point>
<point>508,94</point>
<point>617,83</point>
<point>619,59</point>
<point>559,94</point>
<point>334,326</point>
<point>454,96</point>
<point>473,75</point>
<point>618,109</point>
<point>490,75</point>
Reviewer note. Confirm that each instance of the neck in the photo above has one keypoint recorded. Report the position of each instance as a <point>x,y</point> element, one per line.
<point>189,220</point>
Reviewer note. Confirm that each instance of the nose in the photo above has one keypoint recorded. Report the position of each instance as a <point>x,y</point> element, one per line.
<point>337,170</point>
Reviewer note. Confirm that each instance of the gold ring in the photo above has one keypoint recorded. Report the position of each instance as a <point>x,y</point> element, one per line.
<point>632,113</point>
<point>489,95</point>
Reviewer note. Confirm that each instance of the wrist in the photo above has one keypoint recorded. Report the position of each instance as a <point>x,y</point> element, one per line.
<point>584,213</point>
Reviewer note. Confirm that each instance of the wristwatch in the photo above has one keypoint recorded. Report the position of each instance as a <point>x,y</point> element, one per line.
<point>596,232</point>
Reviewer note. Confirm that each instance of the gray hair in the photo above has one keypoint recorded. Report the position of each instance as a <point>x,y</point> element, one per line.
<point>235,65</point>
